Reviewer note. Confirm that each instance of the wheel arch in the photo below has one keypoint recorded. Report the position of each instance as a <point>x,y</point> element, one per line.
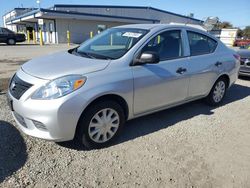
<point>226,77</point>
<point>114,97</point>
<point>105,97</point>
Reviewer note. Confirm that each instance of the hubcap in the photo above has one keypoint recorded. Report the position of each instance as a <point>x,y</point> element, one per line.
<point>11,41</point>
<point>219,91</point>
<point>103,125</point>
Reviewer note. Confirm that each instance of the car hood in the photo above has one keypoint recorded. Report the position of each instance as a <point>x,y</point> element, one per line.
<point>244,53</point>
<point>61,64</point>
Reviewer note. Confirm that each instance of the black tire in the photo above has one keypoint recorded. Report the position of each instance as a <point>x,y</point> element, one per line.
<point>210,99</point>
<point>82,131</point>
<point>11,41</point>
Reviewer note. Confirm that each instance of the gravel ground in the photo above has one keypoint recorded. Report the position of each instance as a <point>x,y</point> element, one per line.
<point>191,145</point>
<point>188,146</point>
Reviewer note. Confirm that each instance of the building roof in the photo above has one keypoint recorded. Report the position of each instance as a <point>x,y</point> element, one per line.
<point>119,6</point>
<point>55,11</point>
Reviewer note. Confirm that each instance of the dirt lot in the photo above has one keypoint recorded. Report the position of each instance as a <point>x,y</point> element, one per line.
<point>11,57</point>
<point>189,146</point>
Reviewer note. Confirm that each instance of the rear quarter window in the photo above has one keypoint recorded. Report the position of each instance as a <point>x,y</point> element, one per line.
<point>200,44</point>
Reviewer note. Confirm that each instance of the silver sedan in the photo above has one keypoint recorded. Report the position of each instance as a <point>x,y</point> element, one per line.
<point>87,93</point>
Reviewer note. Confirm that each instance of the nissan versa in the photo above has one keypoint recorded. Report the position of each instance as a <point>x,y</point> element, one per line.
<point>87,93</point>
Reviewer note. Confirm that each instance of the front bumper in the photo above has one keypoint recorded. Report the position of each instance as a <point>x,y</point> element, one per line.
<point>244,71</point>
<point>53,120</point>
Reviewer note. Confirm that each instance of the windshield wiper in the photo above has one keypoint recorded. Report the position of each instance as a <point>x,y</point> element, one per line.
<point>89,55</point>
<point>86,54</point>
<point>82,54</point>
<point>100,56</point>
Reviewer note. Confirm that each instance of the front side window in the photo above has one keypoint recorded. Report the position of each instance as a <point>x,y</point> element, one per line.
<point>167,44</point>
<point>200,44</point>
<point>111,43</point>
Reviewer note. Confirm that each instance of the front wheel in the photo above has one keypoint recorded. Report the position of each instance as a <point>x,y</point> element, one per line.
<point>100,124</point>
<point>11,42</point>
<point>217,93</point>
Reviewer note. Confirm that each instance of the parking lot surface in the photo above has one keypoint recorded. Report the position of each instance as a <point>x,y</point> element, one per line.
<point>192,145</point>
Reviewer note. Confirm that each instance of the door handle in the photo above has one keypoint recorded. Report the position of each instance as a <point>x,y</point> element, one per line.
<point>181,70</point>
<point>218,63</point>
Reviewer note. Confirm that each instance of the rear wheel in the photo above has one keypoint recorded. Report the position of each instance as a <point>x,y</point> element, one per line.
<point>11,41</point>
<point>100,124</point>
<point>217,93</point>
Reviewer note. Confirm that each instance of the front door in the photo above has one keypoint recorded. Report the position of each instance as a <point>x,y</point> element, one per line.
<point>165,83</point>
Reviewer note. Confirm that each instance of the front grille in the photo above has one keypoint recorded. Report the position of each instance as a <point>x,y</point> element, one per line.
<point>18,87</point>
<point>245,61</point>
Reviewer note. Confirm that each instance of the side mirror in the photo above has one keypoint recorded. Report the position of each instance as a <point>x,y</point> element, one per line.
<point>147,58</point>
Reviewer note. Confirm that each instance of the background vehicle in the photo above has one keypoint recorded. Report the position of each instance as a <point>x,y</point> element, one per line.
<point>9,37</point>
<point>242,42</point>
<point>245,47</point>
<point>125,72</point>
<point>244,61</point>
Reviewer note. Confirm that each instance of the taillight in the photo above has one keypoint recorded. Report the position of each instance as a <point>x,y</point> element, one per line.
<point>237,56</point>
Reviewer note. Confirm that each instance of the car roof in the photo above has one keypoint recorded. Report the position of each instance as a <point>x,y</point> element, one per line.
<point>139,26</point>
<point>151,26</point>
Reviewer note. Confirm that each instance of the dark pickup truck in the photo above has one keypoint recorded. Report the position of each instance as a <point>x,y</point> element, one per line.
<point>9,37</point>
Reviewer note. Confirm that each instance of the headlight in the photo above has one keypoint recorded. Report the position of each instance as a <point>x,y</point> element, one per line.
<point>59,87</point>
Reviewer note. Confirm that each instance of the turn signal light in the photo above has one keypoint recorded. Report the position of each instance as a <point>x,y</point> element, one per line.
<point>78,83</point>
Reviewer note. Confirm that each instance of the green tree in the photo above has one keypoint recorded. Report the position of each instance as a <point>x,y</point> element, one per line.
<point>246,32</point>
<point>240,33</point>
<point>222,25</point>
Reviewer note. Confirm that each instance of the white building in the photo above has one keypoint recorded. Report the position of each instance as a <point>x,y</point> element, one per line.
<point>227,36</point>
<point>80,20</point>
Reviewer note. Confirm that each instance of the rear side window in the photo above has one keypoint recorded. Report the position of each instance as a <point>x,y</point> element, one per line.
<point>200,44</point>
<point>7,31</point>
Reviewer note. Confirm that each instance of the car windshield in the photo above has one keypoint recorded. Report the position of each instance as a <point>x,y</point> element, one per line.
<point>110,44</point>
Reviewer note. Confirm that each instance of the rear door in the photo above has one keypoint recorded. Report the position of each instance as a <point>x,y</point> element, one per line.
<point>2,36</point>
<point>9,34</point>
<point>159,85</point>
<point>203,64</point>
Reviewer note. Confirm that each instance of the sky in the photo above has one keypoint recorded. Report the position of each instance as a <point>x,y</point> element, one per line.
<point>236,12</point>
